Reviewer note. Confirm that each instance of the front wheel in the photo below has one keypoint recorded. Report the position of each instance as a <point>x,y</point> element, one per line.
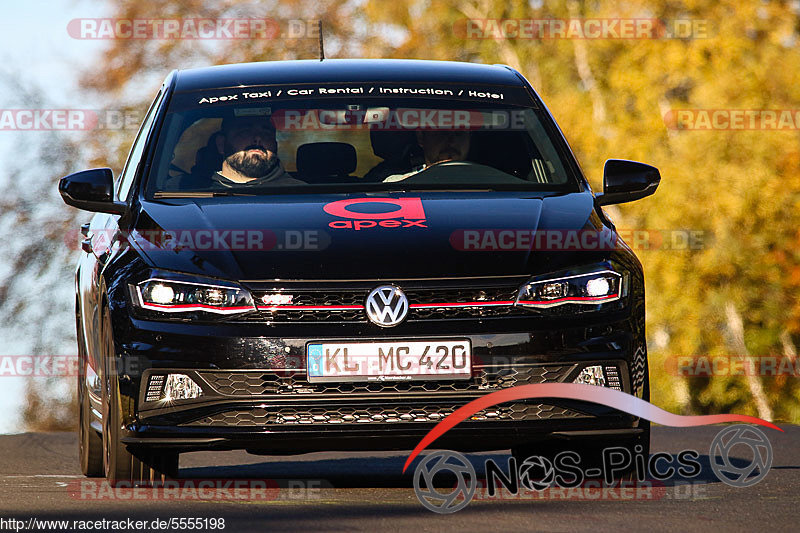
<point>120,464</point>
<point>90,444</point>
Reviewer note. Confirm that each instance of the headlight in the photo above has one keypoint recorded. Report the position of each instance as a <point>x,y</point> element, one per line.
<point>594,288</point>
<point>176,296</point>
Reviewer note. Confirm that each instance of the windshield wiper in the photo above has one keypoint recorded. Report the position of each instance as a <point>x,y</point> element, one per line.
<point>199,194</point>
<point>215,194</point>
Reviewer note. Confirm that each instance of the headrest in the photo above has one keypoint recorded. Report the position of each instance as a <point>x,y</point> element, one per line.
<point>509,151</point>
<point>393,145</point>
<point>208,159</point>
<point>325,159</point>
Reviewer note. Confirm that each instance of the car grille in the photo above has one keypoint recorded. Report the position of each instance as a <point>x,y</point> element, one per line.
<point>348,305</point>
<point>385,414</point>
<point>486,379</point>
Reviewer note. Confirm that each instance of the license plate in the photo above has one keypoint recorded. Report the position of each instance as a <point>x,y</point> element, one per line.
<point>389,361</point>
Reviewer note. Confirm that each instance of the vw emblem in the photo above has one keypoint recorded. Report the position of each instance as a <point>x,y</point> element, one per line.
<point>387,306</point>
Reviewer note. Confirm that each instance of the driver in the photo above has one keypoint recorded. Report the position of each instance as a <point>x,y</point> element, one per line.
<point>249,148</point>
<point>438,146</point>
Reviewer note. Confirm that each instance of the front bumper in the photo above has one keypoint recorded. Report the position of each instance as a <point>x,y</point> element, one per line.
<point>256,397</point>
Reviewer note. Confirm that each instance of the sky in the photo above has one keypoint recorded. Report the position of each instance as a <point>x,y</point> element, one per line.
<point>36,50</point>
<point>35,41</point>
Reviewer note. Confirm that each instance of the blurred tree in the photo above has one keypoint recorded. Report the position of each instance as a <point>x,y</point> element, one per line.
<point>37,263</point>
<point>738,190</point>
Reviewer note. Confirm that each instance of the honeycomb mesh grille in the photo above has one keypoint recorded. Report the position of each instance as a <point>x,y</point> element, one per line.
<point>388,414</point>
<point>261,383</point>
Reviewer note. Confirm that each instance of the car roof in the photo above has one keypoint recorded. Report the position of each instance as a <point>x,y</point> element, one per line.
<point>344,71</point>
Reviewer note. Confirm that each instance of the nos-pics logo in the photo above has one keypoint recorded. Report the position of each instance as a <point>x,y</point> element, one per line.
<point>539,473</point>
<point>365,213</point>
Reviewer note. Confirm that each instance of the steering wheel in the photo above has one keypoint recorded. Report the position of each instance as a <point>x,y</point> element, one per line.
<point>461,172</point>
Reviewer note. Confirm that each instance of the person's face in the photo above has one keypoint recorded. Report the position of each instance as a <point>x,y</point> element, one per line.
<point>443,145</point>
<point>249,146</point>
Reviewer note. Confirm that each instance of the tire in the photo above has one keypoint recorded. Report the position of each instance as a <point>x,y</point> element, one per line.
<point>90,443</point>
<point>121,465</point>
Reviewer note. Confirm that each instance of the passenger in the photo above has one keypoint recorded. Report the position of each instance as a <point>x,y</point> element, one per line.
<point>250,151</point>
<point>438,146</point>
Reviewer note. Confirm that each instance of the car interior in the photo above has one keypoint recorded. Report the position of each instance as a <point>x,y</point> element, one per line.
<point>320,162</point>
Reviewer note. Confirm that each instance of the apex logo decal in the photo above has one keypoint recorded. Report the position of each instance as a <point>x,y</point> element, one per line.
<point>377,212</point>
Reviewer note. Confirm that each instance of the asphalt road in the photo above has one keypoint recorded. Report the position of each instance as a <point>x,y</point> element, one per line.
<point>39,479</point>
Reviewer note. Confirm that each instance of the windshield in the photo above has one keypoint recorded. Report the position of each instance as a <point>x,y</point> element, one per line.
<point>274,139</point>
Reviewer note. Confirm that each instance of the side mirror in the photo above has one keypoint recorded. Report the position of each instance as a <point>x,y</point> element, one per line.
<point>91,190</point>
<point>626,181</point>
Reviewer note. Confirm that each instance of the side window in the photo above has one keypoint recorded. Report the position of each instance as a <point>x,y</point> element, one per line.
<point>135,155</point>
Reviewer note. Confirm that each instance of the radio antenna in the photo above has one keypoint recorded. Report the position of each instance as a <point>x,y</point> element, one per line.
<point>321,45</point>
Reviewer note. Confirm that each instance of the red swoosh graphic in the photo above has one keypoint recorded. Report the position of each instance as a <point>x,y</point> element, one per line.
<point>621,401</point>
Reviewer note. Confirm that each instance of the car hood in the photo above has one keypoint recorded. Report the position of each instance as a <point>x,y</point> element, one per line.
<point>360,236</point>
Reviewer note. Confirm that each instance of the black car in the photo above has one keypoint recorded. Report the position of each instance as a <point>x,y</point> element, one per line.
<point>335,255</point>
